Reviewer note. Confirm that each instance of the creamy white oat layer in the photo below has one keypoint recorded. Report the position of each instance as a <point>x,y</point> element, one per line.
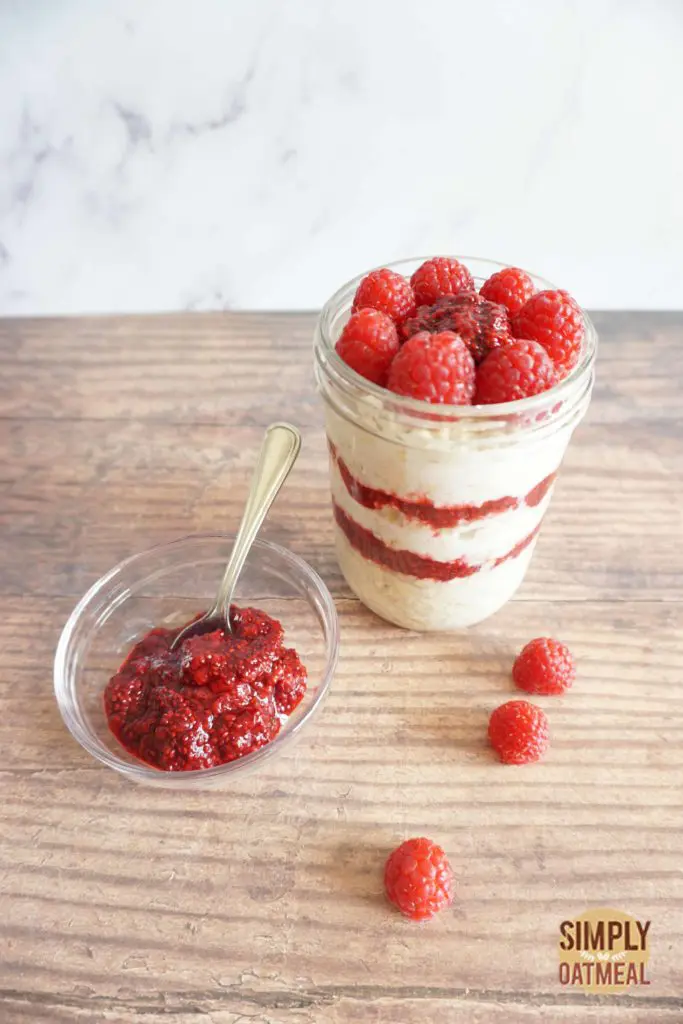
<point>467,469</point>
<point>426,604</point>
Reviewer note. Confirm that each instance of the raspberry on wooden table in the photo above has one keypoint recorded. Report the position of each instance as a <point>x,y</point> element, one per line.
<point>555,321</point>
<point>438,277</point>
<point>517,371</point>
<point>418,879</point>
<point>544,666</point>
<point>510,287</point>
<point>436,368</point>
<point>387,291</point>
<point>518,732</point>
<point>368,343</point>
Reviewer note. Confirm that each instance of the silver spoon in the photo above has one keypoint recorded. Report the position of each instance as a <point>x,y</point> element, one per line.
<point>278,454</point>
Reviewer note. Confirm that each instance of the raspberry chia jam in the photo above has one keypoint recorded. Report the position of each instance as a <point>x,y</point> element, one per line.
<point>216,698</point>
<point>437,507</point>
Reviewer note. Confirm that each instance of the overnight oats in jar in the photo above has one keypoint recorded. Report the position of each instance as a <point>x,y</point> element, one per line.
<point>451,389</point>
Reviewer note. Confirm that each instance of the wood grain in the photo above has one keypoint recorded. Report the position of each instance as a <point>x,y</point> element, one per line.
<point>263,902</point>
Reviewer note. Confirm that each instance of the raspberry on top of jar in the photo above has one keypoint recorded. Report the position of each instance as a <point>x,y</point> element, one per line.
<point>521,341</point>
<point>217,697</point>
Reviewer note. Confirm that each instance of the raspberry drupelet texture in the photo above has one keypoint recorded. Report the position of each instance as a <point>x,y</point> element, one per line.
<point>368,344</point>
<point>544,666</point>
<point>436,368</point>
<point>386,291</point>
<point>555,321</point>
<point>518,732</point>
<point>418,879</point>
<point>510,287</point>
<point>517,371</point>
<point>438,277</point>
<point>482,325</point>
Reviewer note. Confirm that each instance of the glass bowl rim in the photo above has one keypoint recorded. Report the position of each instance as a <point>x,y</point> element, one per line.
<point>142,772</point>
<point>326,353</point>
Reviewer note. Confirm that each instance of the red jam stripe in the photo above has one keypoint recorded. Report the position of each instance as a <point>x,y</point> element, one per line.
<point>538,493</point>
<point>422,567</point>
<point>518,548</point>
<point>407,562</point>
<point>439,517</point>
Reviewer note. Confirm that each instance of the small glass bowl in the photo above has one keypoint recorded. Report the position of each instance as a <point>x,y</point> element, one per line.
<point>167,586</point>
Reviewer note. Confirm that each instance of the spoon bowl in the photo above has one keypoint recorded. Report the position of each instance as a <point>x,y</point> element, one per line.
<point>166,586</point>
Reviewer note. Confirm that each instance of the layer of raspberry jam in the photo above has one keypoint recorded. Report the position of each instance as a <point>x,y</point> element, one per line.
<point>420,509</point>
<point>437,517</point>
<point>215,699</point>
<point>409,563</point>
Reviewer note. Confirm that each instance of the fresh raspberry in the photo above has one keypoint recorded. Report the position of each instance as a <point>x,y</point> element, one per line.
<point>511,288</point>
<point>418,879</point>
<point>482,325</point>
<point>518,732</point>
<point>554,320</point>
<point>436,368</point>
<point>507,374</point>
<point>368,344</point>
<point>544,666</point>
<point>386,291</point>
<point>438,277</point>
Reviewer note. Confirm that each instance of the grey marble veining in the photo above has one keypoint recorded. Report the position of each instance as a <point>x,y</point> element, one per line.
<point>230,155</point>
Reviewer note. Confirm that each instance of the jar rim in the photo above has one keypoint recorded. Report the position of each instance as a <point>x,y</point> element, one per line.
<point>415,407</point>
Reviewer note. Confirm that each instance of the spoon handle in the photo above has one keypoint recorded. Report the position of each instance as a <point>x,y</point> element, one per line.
<point>278,454</point>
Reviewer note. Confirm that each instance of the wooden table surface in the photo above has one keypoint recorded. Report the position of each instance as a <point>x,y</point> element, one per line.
<point>263,903</point>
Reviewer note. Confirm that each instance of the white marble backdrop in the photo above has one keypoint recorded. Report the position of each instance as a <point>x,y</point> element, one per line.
<point>209,154</point>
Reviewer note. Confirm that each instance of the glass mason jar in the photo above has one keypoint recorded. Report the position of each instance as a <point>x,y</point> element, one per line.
<point>437,508</point>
